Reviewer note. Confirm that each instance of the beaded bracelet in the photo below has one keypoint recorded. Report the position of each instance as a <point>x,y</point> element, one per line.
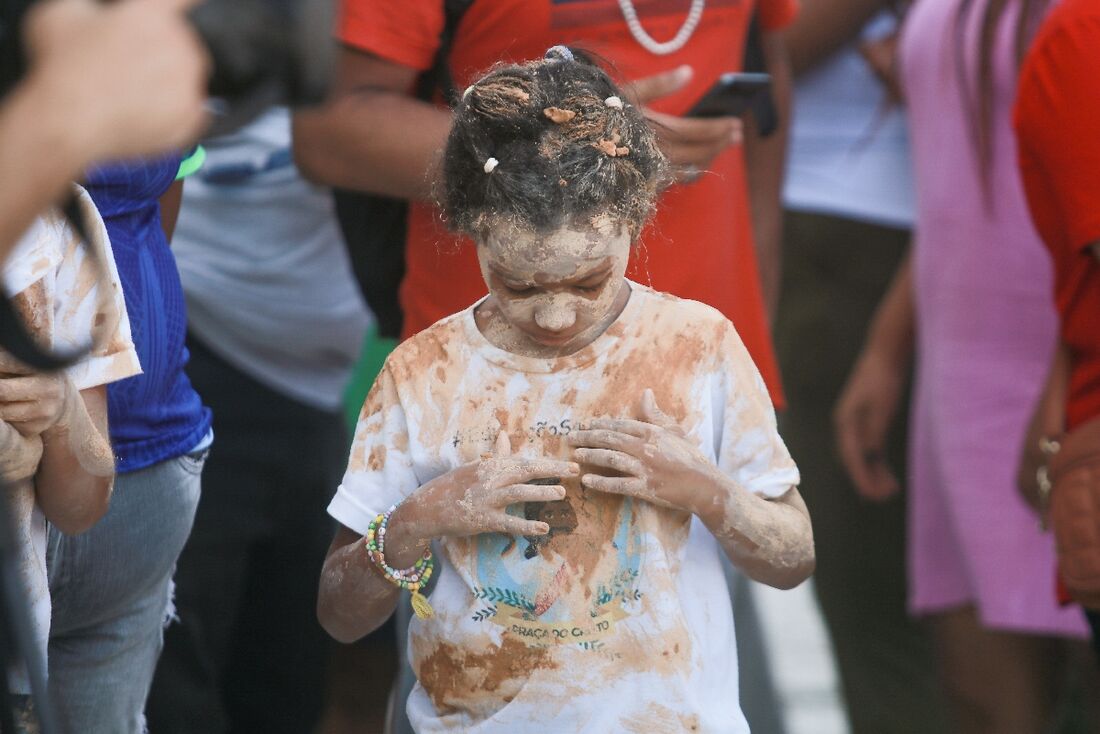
<point>413,578</point>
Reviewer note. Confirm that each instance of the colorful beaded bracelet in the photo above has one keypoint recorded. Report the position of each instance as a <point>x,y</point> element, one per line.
<point>413,578</point>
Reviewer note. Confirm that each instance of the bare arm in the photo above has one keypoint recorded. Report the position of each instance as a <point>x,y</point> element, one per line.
<point>354,599</point>
<point>373,136</point>
<point>74,480</point>
<point>869,402</point>
<point>85,100</point>
<point>770,540</point>
<point>765,159</point>
<point>825,26</point>
<point>39,156</point>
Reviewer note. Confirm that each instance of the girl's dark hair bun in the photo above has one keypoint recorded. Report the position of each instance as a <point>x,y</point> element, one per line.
<point>545,144</point>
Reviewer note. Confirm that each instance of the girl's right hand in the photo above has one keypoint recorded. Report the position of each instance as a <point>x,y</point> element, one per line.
<point>472,499</point>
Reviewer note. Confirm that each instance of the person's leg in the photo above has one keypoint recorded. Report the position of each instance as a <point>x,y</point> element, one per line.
<point>283,691</point>
<point>111,589</point>
<point>998,682</point>
<point>835,273</point>
<point>235,512</point>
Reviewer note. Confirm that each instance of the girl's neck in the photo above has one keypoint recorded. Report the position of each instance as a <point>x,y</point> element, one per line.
<point>504,335</point>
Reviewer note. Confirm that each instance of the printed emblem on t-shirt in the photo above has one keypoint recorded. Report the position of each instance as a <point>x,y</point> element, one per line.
<point>572,585</point>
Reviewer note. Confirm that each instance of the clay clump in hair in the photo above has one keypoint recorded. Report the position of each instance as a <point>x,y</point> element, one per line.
<point>564,154</point>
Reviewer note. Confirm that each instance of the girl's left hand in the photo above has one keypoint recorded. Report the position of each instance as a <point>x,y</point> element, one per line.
<point>657,462</point>
<point>33,402</point>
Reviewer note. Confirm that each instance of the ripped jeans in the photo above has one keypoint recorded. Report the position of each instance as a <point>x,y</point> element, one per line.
<point>111,589</point>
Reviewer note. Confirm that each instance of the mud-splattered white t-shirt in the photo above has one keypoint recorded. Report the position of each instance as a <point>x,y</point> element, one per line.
<point>55,288</point>
<point>619,620</point>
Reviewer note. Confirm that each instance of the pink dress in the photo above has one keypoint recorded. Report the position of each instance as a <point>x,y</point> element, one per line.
<point>986,330</point>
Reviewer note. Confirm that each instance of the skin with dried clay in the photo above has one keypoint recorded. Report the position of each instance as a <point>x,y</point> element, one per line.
<point>57,435</point>
<point>550,296</point>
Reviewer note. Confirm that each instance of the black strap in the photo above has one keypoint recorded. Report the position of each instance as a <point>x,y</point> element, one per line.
<point>439,76</point>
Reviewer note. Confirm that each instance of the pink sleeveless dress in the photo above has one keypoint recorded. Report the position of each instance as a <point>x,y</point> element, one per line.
<point>986,330</point>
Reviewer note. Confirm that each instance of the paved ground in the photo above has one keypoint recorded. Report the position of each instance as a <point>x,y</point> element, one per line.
<point>801,660</point>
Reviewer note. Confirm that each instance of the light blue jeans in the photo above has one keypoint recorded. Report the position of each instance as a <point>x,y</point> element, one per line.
<point>111,590</point>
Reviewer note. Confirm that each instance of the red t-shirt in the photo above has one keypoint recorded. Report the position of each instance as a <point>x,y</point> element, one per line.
<point>700,245</point>
<point>1058,128</point>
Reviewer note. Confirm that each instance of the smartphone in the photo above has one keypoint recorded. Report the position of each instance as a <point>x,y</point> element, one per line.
<point>733,95</point>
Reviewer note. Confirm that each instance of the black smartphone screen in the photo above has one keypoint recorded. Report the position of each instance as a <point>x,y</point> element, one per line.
<point>732,95</point>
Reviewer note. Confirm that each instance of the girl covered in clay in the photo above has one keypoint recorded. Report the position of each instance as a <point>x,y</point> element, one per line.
<point>561,464</point>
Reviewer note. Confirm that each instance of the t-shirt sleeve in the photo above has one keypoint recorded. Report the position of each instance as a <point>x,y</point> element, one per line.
<point>88,302</point>
<point>777,14</point>
<point>1058,122</point>
<point>749,447</point>
<point>380,471</point>
<point>405,33</point>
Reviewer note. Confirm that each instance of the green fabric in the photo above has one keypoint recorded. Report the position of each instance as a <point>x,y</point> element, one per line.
<point>371,359</point>
<point>192,163</point>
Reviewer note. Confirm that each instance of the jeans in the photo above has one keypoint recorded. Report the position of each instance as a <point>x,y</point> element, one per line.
<point>248,654</point>
<point>111,588</point>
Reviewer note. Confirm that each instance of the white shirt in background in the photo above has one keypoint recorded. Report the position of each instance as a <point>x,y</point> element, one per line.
<point>849,151</point>
<point>265,271</point>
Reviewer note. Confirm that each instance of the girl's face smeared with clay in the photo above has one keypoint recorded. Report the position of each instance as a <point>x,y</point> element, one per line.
<point>555,292</point>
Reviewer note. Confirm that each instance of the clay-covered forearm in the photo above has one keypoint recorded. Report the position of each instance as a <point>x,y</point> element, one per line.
<point>765,161</point>
<point>892,332</point>
<point>355,598</point>
<point>74,479</point>
<point>771,541</point>
<point>379,141</point>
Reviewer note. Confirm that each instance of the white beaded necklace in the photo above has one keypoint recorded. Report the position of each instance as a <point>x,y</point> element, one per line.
<point>657,47</point>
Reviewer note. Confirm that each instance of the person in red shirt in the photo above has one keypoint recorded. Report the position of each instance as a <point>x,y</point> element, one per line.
<point>1058,126</point>
<point>376,137</point>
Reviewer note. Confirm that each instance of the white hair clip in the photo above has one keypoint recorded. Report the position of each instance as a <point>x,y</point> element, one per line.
<point>558,53</point>
<point>466,92</point>
<point>613,102</point>
<point>491,165</point>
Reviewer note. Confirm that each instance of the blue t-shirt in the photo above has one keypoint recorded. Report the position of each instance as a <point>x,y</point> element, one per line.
<point>157,415</point>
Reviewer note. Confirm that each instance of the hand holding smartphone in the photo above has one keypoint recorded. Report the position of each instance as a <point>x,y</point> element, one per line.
<point>736,93</point>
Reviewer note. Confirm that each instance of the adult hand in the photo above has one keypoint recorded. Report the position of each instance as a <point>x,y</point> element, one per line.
<point>33,402</point>
<point>130,75</point>
<point>653,457</point>
<point>690,143</point>
<point>862,420</point>
<point>471,499</point>
<point>19,454</point>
